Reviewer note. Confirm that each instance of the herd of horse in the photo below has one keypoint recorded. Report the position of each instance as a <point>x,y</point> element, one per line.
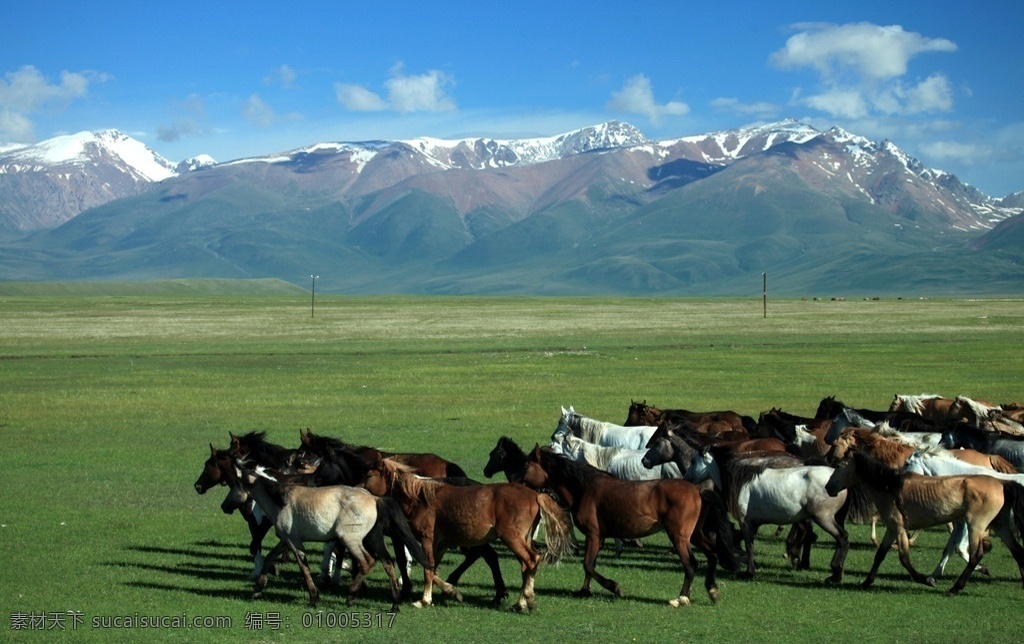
<point>708,480</point>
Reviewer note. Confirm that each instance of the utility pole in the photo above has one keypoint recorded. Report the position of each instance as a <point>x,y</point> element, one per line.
<point>312,300</point>
<point>764,292</point>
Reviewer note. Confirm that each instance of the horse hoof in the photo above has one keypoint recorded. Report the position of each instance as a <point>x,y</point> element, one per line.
<point>984,570</point>
<point>419,604</point>
<point>713,594</point>
<point>257,595</point>
<point>679,601</point>
<point>865,585</point>
<point>617,591</point>
<point>930,581</point>
<point>583,592</point>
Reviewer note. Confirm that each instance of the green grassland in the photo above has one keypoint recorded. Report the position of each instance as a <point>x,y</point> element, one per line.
<point>110,398</point>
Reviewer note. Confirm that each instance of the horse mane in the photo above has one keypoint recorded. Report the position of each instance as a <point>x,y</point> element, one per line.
<point>979,409</point>
<point>887,449</point>
<point>911,403</point>
<point>403,478</point>
<point>877,473</point>
<point>254,446</point>
<point>512,448</point>
<point>578,472</point>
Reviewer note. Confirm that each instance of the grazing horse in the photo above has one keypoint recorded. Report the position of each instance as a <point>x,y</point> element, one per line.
<point>346,514</point>
<point>604,506</point>
<point>776,489</point>
<point>620,462</point>
<point>218,470</point>
<point>600,432</point>
<point>446,516</point>
<point>640,413</point>
<point>908,501</point>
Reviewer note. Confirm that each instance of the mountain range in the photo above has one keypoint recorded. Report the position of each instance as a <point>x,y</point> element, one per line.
<point>601,210</point>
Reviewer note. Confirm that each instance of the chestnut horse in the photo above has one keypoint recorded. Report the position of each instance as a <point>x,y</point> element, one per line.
<point>640,413</point>
<point>604,506</point>
<point>446,516</point>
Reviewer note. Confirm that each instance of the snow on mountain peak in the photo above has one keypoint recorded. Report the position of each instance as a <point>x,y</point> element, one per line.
<point>82,147</point>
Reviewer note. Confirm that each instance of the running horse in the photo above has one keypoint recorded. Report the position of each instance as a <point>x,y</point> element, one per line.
<point>604,506</point>
<point>912,501</point>
<point>425,464</point>
<point>640,413</point>
<point>446,516</point>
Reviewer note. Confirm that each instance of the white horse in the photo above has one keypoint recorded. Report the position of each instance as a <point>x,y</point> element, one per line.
<point>603,433</point>
<point>620,462</point>
<point>778,491</point>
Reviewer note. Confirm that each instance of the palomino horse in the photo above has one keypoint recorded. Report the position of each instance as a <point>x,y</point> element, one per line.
<point>908,501</point>
<point>776,489</point>
<point>446,516</point>
<point>640,413</point>
<point>604,506</point>
<point>620,462</point>
<point>984,415</point>
<point>600,432</point>
<point>338,512</point>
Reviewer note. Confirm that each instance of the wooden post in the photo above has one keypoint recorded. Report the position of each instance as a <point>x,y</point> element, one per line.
<point>764,292</point>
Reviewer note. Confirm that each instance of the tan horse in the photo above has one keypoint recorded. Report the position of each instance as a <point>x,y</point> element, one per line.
<point>912,501</point>
<point>449,516</point>
<point>933,408</point>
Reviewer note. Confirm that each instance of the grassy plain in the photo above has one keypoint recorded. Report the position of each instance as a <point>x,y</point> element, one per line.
<point>108,404</point>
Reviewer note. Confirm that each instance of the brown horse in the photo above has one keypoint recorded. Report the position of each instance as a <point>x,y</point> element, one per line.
<point>446,516</point>
<point>218,470</point>
<point>425,464</point>
<point>907,501</point>
<point>640,413</point>
<point>933,408</point>
<point>604,506</point>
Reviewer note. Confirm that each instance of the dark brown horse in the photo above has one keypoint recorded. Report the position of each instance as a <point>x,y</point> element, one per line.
<point>640,413</point>
<point>426,464</point>
<point>604,506</point>
<point>912,501</point>
<point>218,470</point>
<point>446,516</point>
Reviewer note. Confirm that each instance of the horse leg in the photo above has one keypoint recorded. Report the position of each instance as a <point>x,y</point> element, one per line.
<point>258,529</point>
<point>300,557</point>
<point>261,578</point>
<point>681,544</point>
<point>1005,533</point>
<point>592,547</point>
<point>903,543</point>
<point>977,550</point>
<point>529,561</point>
<point>748,539</point>
<point>365,563</point>
<point>884,545</point>
<point>837,532</point>
<point>490,557</point>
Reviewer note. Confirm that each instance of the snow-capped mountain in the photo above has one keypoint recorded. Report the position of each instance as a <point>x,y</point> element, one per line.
<point>44,185</point>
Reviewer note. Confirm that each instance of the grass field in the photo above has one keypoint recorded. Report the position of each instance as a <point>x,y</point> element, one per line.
<point>108,404</point>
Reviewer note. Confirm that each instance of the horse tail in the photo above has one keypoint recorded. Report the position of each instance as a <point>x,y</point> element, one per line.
<point>557,527</point>
<point>717,528</point>
<point>393,522</point>
<point>1002,465</point>
<point>1014,498</point>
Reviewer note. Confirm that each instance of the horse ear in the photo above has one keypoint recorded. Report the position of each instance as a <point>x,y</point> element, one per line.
<point>535,453</point>
<point>213,450</point>
<point>304,436</point>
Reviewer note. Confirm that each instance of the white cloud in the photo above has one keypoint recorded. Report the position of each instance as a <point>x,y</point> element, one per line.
<point>945,151</point>
<point>861,69</point>
<point>358,99</point>
<point>637,97</point>
<point>258,112</point>
<point>26,91</point>
<point>405,93</point>
<point>422,93</point>
<point>870,50</point>
<point>761,109</point>
<point>284,76</point>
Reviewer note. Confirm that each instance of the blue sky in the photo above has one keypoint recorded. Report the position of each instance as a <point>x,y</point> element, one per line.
<point>942,80</point>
